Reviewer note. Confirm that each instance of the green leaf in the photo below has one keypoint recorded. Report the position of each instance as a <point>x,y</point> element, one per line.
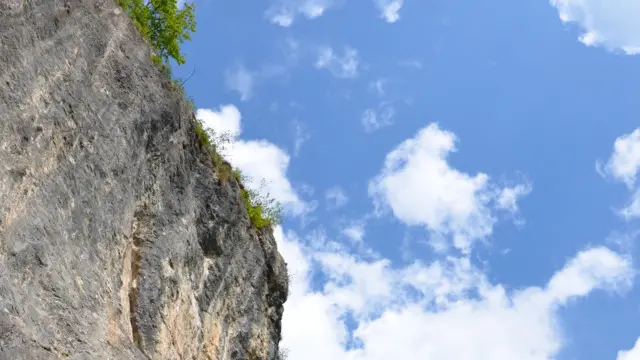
<point>163,25</point>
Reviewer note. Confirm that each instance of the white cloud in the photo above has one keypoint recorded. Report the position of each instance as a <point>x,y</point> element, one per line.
<point>593,268</point>
<point>633,354</point>
<point>420,187</point>
<point>632,210</point>
<point>345,66</point>
<point>263,162</point>
<point>415,64</point>
<point>355,231</point>
<point>378,87</point>
<point>245,80</point>
<point>284,12</point>
<point>611,24</point>
<point>226,120</point>
<point>336,197</point>
<point>300,137</point>
<point>443,310</point>
<point>374,119</point>
<point>624,162</point>
<point>509,196</point>
<point>623,166</point>
<point>241,80</point>
<point>389,9</point>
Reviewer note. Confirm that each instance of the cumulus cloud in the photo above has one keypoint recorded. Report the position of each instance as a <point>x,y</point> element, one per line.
<point>345,66</point>
<point>632,354</point>
<point>263,162</point>
<point>354,307</point>
<point>611,24</point>
<point>224,120</point>
<point>389,9</point>
<point>446,309</point>
<point>420,187</point>
<point>623,166</point>
<point>241,80</point>
<point>624,162</point>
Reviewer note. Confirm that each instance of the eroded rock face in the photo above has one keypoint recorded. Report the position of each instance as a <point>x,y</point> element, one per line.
<point>117,240</point>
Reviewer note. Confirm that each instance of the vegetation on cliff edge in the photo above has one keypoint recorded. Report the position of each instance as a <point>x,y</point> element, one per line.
<point>165,26</point>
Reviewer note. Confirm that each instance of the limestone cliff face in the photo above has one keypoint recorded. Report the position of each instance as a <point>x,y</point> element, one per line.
<point>117,240</point>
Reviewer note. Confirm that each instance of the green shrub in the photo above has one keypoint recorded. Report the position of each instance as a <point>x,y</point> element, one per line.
<point>163,25</point>
<point>262,212</point>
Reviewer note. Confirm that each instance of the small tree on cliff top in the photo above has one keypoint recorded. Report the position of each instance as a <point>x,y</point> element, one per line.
<point>163,24</point>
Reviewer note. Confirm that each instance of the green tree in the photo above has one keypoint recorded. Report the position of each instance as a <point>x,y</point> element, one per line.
<point>163,24</point>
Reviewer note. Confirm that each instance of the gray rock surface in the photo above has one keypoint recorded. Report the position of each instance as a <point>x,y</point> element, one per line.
<point>117,240</point>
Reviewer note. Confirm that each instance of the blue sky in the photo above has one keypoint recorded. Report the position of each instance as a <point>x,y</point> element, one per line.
<point>459,177</point>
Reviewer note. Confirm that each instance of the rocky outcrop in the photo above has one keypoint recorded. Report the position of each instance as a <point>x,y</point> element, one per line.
<point>117,238</point>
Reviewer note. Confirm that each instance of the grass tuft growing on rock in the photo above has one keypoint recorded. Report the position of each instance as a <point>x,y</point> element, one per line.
<point>202,135</point>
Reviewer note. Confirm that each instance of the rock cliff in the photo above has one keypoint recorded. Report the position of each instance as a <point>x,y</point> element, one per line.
<point>118,239</point>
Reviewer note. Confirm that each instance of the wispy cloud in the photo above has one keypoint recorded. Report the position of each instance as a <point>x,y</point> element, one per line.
<point>241,80</point>
<point>389,9</point>
<point>415,64</point>
<point>376,118</point>
<point>244,80</point>
<point>300,137</point>
<point>508,197</point>
<point>285,12</point>
<point>354,231</point>
<point>336,197</point>
<point>342,66</point>
<point>377,86</point>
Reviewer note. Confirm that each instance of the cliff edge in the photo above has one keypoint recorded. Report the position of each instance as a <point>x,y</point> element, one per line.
<point>118,238</point>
